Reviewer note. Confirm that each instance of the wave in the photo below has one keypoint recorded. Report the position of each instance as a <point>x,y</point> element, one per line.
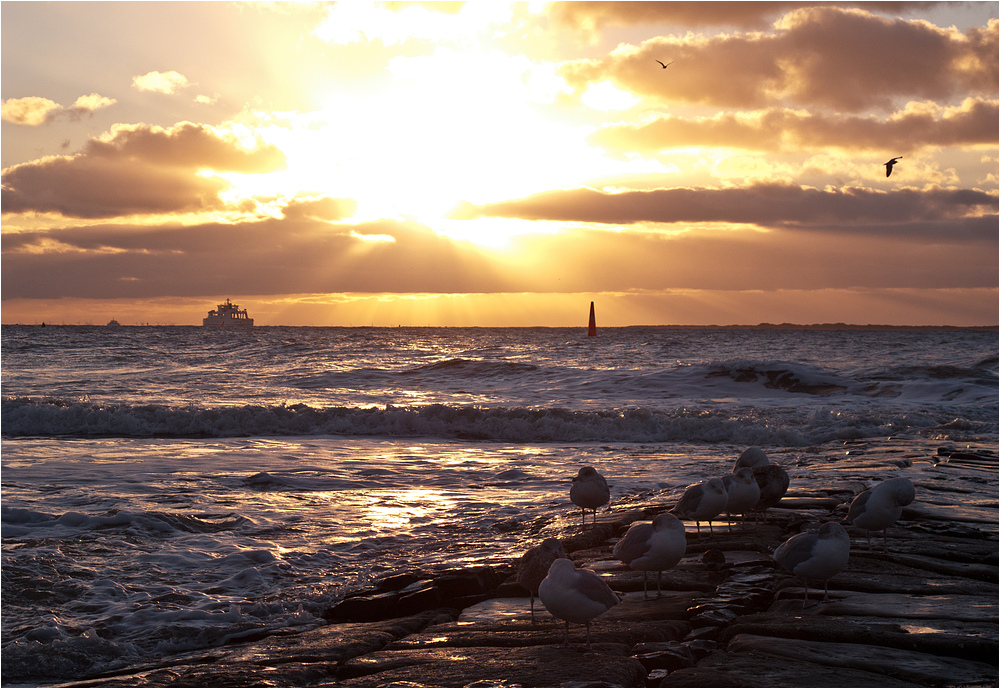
<point>740,424</point>
<point>21,521</point>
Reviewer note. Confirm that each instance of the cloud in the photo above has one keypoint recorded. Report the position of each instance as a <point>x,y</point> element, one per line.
<point>268,256</point>
<point>918,125</point>
<point>593,16</point>
<point>136,169</point>
<point>323,208</point>
<point>93,102</point>
<point>161,82</point>
<point>33,111</point>
<point>827,56</point>
<point>299,255</point>
<point>766,204</point>
<point>188,145</point>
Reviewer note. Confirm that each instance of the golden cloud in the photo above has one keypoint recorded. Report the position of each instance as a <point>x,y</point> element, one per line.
<point>33,111</point>
<point>136,169</point>
<point>918,125</point>
<point>765,204</point>
<point>160,82</point>
<point>846,59</point>
<point>593,16</point>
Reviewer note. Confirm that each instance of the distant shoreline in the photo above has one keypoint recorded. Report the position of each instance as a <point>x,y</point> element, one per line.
<point>759,326</point>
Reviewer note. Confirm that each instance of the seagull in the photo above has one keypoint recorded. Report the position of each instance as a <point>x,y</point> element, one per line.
<point>534,565</point>
<point>880,507</point>
<point>773,482</point>
<point>657,546</point>
<point>742,493</point>
<point>575,595</point>
<point>815,555</point>
<point>701,502</point>
<point>888,166</point>
<point>589,491</point>
<point>751,457</point>
<point>665,65</point>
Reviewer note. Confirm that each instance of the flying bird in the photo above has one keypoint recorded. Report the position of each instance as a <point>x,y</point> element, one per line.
<point>888,166</point>
<point>665,65</point>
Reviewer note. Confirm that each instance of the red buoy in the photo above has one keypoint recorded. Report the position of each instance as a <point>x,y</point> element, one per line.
<point>592,328</point>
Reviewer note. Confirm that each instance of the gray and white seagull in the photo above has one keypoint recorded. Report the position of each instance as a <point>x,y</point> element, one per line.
<point>888,166</point>
<point>665,65</point>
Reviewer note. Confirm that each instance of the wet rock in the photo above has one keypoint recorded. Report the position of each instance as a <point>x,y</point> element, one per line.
<point>548,666</point>
<point>395,582</point>
<point>725,669</point>
<point>714,559</point>
<point>664,656</point>
<point>456,588</point>
<point>910,666</point>
<point>364,607</point>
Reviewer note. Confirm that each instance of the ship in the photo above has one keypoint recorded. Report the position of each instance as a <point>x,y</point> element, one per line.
<point>227,315</point>
<point>113,323</point>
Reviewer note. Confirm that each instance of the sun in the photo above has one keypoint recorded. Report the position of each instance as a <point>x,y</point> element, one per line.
<point>472,125</point>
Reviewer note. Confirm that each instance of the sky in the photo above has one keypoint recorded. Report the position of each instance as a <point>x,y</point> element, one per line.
<point>500,164</point>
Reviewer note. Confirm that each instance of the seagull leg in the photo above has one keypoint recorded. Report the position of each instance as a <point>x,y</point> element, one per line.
<point>645,594</point>
<point>531,598</point>
<point>566,637</point>
<point>658,592</point>
<point>588,635</point>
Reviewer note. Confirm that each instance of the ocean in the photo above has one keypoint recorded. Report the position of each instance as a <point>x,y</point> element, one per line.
<point>172,489</point>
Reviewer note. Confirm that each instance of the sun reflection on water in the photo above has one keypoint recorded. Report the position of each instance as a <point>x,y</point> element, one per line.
<point>390,511</point>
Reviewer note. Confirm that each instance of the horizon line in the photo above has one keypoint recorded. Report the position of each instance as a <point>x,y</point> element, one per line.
<point>763,326</point>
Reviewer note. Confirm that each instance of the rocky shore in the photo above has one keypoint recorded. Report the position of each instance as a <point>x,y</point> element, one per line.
<point>923,614</point>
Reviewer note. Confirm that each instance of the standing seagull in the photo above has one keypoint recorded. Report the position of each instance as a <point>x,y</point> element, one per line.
<point>589,491</point>
<point>751,457</point>
<point>742,494</point>
<point>575,595</point>
<point>888,166</point>
<point>773,482</point>
<point>880,507</point>
<point>657,546</point>
<point>702,501</point>
<point>815,555</point>
<point>665,65</point>
<point>534,565</point>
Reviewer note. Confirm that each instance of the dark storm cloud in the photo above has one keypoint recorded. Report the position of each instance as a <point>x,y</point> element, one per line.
<point>270,256</point>
<point>768,204</point>
<point>820,56</point>
<point>138,169</point>
<point>974,123</point>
